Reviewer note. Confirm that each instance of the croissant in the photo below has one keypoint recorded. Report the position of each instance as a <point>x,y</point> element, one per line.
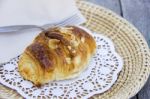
<point>57,54</point>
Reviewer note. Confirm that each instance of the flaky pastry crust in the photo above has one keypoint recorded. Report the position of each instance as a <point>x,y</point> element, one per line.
<point>57,54</point>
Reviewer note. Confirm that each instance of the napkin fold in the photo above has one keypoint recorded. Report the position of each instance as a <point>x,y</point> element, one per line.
<point>37,12</point>
<point>30,12</point>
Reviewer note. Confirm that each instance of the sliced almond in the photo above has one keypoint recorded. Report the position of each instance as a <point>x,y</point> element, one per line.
<point>65,30</point>
<point>53,43</point>
<point>73,51</point>
<point>82,39</point>
<point>68,60</point>
<point>77,60</point>
<point>74,43</point>
<point>69,47</point>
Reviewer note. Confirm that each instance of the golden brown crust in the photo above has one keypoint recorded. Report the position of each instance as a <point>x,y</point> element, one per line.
<point>57,54</point>
<point>41,54</point>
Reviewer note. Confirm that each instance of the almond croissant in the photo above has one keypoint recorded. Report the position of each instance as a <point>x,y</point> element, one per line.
<point>57,54</point>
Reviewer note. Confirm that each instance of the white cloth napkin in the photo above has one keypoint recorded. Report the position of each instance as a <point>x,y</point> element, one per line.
<point>29,12</point>
<point>39,12</point>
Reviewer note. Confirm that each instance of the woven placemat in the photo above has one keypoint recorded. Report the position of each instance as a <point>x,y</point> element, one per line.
<point>129,43</point>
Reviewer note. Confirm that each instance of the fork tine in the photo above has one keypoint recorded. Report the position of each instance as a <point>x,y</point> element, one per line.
<point>62,23</point>
<point>74,21</point>
<point>67,21</point>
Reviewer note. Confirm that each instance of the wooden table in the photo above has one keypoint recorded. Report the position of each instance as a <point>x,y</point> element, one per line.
<point>138,13</point>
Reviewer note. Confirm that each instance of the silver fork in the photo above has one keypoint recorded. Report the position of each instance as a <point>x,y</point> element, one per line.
<point>76,19</point>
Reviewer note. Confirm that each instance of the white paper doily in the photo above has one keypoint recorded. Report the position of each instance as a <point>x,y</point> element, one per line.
<point>100,75</point>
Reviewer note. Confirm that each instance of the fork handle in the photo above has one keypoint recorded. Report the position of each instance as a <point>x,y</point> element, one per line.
<point>18,28</point>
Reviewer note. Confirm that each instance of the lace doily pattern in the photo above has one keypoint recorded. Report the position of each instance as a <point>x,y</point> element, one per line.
<point>100,75</point>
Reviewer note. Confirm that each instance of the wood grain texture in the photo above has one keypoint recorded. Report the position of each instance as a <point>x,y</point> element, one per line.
<point>149,38</point>
<point>138,13</point>
<point>135,97</point>
<point>113,5</point>
<point>145,92</point>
